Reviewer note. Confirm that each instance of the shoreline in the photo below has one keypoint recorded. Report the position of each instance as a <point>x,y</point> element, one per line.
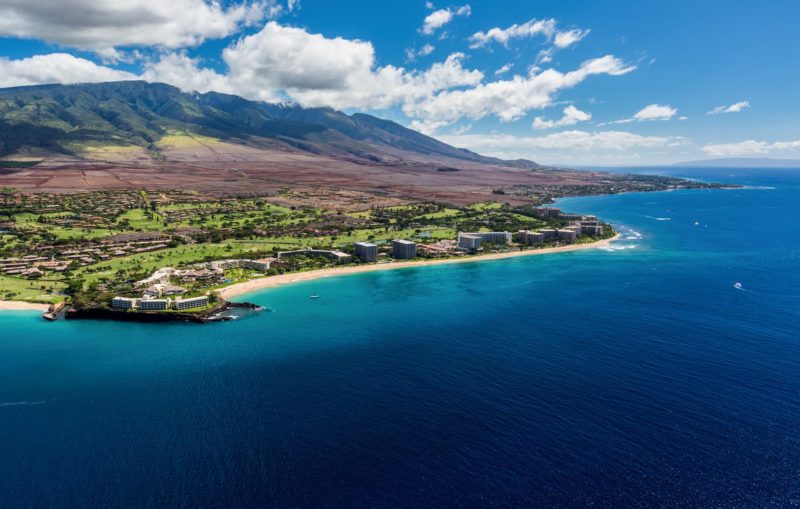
<point>264,283</point>
<point>19,305</point>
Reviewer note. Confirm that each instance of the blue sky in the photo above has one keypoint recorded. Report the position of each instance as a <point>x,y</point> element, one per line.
<point>559,82</point>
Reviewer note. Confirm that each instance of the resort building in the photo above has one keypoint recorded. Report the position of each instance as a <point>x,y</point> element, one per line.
<point>337,256</point>
<point>123,303</point>
<point>549,234</point>
<point>154,304</point>
<point>565,235</point>
<point>469,241</point>
<point>547,212</point>
<point>194,302</point>
<point>366,251</point>
<point>492,237</point>
<point>261,265</point>
<point>530,238</point>
<point>495,237</point>
<point>592,230</point>
<point>225,264</point>
<point>404,249</point>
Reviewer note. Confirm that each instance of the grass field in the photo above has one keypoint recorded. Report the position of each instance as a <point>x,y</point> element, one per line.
<point>138,220</point>
<point>12,288</point>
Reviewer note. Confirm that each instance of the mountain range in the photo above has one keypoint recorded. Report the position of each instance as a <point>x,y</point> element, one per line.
<point>68,119</point>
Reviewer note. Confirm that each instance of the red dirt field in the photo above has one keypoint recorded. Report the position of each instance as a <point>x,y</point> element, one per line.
<point>228,169</point>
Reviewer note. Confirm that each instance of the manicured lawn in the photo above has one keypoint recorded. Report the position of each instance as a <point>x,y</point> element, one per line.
<point>30,290</point>
<point>486,206</point>
<point>138,220</point>
<point>441,214</point>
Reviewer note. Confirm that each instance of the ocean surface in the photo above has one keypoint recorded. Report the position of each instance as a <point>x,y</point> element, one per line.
<point>638,375</point>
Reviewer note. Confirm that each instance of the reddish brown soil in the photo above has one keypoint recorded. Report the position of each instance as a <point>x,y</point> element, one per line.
<point>226,169</point>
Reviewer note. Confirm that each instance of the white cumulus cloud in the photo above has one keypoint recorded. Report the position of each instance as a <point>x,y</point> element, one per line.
<point>569,37</point>
<point>104,26</point>
<point>650,112</point>
<point>60,68</point>
<point>733,108</point>
<point>412,54</point>
<point>656,112</point>
<point>571,116</point>
<point>532,28</point>
<point>504,69</point>
<point>315,70</point>
<point>181,71</point>
<point>510,99</point>
<point>439,18</point>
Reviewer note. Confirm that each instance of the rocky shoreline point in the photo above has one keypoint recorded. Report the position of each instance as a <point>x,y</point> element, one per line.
<point>216,314</point>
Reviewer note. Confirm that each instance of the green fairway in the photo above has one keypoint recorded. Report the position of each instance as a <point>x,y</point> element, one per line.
<point>12,288</point>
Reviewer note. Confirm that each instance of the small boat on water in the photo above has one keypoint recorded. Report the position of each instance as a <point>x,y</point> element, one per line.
<point>314,295</point>
<point>738,286</point>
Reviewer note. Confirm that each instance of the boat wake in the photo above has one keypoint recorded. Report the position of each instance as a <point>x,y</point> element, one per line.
<point>25,403</point>
<point>659,218</point>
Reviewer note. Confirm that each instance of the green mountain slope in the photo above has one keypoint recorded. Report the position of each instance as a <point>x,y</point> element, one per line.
<point>63,118</point>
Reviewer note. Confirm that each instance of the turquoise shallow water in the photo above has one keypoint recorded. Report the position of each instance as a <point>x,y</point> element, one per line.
<point>636,375</point>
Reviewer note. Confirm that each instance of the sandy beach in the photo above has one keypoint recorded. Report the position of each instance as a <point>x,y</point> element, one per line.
<point>7,305</point>
<point>298,277</point>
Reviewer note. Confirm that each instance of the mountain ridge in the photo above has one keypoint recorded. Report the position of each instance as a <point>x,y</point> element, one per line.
<point>59,118</point>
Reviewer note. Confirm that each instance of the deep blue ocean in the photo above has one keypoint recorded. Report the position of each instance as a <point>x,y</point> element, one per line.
<point>633,376</point>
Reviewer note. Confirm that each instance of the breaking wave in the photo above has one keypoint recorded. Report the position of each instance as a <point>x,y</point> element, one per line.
<point>618,247</point>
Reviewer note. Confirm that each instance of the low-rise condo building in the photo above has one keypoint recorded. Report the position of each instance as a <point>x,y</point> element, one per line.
<point>366,251</point>
<point>404,249</point>
<point>154,304</point>
<point>124,303</point>
<point>337,256</point>
<point>194,302</point>
<point>261,265</point>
